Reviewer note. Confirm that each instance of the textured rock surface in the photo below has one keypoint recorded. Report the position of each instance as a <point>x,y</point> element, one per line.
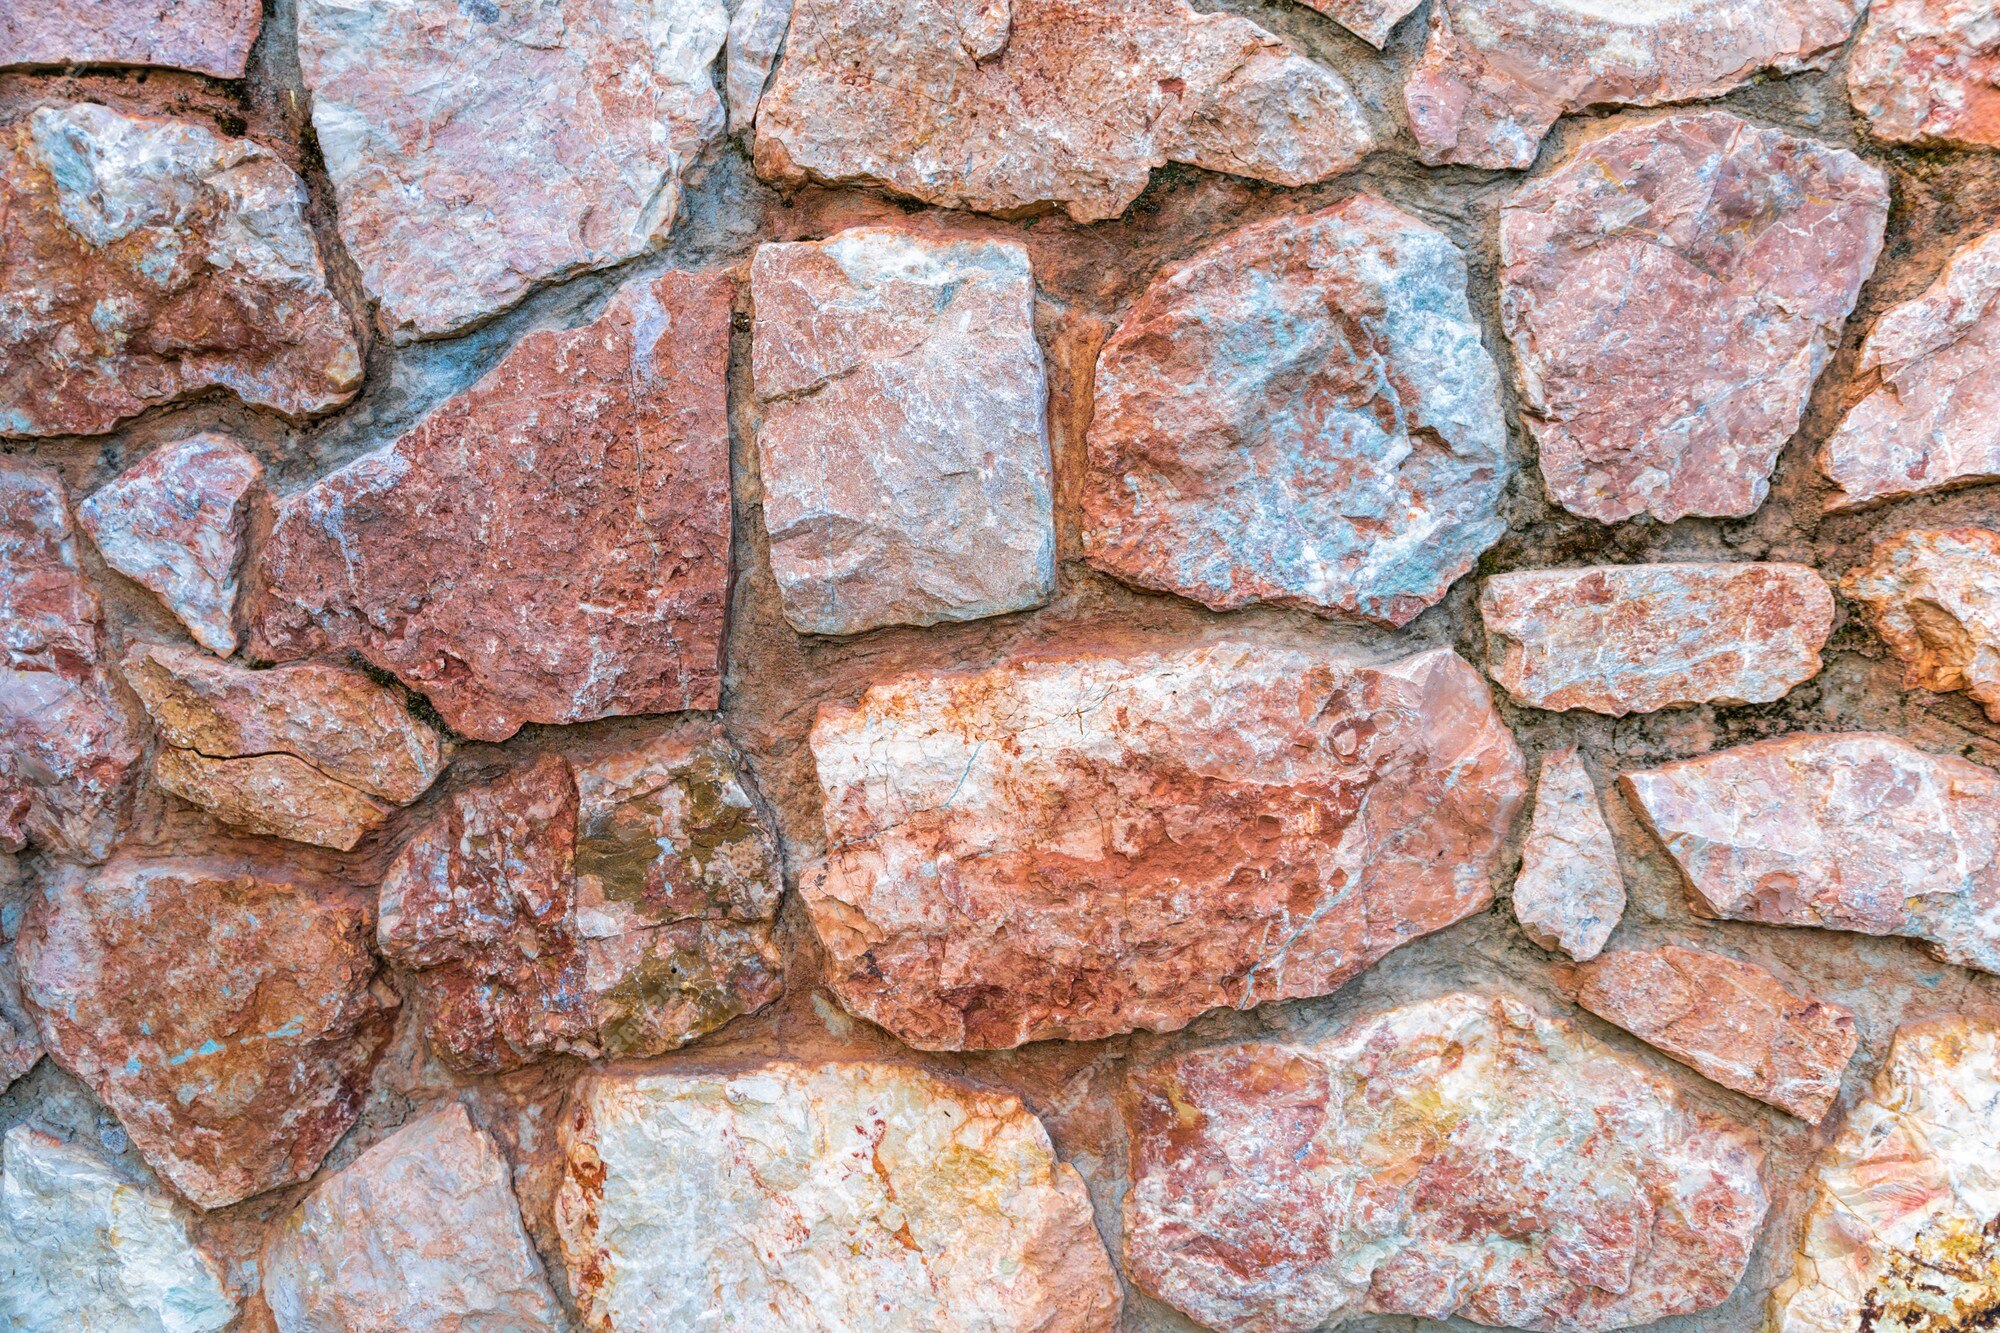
<point>1012,105</point>
<point>82,1247</point>
<point>1933,419</point>
<point>904,446</point>
<point>1370,20</point>
<point>756,34</point>
<point>1569,894</point>
<point>1621,639</point>
<point>144,259</point>
<point>312,752</point>
<point>1303,414</point>
<point>823,1197</point>
<point>1076,848</point>
<point>419,1232</point>
<point>1464,1155</point>
<point>222,1010</point>
<point>477,150</point>
<point>1934,597</point>
<point>1731,1020</point>
<point>206,36</point>
<point>1850,831</point>
<point>1928,71</point>
<point>20,1047</point>
<point>1672,292</point>
<point>589,585</point>
<point>175,525</point>
<point>1903,1232</point>
<point>68,742</point>
<point>1496,74</point>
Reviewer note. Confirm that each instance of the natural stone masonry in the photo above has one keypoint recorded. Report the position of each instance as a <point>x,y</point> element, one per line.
<point>1008,106</point>
<point>207,36</point>
<point>175,524</point>
<point>1733,1021</point>
<point>1902,1233</point>
<point>1933,421</point>
<point>83,1247</point>
<point>1370,20</point>
<point>224,1010</point>
<point>904,446</point>
<point>756,32</point>
<point>1495,75</point>
<point>823,1197</point>
<point>1850,831</point>
<point>312,752</point>
<point>1569,894</point>
<point>1465,1155</point>
<point>419,1232</point>
<point>1672,291</point>
<point>1621,639</point>
<point>143,259</point>
<point>1304,414</point>
<point>1934,598</point>
<point>1928,71</point>
<point>478,150</point>
<point>1080,847</point>
<point>20,1047</point>
<point>589,585</point>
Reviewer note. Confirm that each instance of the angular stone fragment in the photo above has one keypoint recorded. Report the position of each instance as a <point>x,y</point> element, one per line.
<point>1073,848</point>
<point>420,1232</point>
<point>1569,894</point>
<point>20,1047</point>
<point>904,446</point>
<point>557,564</point>
<point>68,741</point>
<point>1463,1156</point>
<point>1370,20</point>
<point>1621,639</point>
<point>1848,831</point>
<point>82,1247</point>
<point>1672,292</point>
<point>207,36</point>
<point>1934,597</point>
<point>145,259</point>
<point>1496,74</point>
<point>1904,1232</point>
<point>175,524</point>
<point>478,150</point>
<point>1933,421</point>
<point>823,1197</point>
<point>1731,1020</point>
<point>756,31</point>
<point>1302,414</point>
<point>1006,106</point>
<point>1928,71</point>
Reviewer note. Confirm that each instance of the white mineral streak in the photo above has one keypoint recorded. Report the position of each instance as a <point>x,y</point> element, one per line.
<point>1569,894</point>
<point>756,32</point>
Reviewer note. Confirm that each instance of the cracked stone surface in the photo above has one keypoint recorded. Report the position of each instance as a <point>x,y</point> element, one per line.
<point>1928,71</point>
<point>904,446</point>
<point>1370,20</point>
<point>1075,848</point>
<point>1465,1155</point>
<point>756,34</point>
<point>1303,414</point>
<point>1672,291</point>
<point>20,1046</point>
<point>823,1197</point>
<point>1011,106</point>
<point>479,150</point>
<point>210,37</point>
<point>1619,639</point>
<point>1933,595</point>
<point>1569,894</point>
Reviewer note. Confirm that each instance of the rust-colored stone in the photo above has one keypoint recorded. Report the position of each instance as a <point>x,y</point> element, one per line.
<point>1934,597</point>
<point>207,36</point>
<point>1928,71</point>
<point>1370,20</point>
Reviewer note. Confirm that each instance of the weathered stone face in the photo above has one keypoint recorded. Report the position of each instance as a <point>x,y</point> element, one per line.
<point>1279,1188</point>
<point>1934,597</point>
<point>1497,74</point>
<point>904,447</point>
<point>1934,419</point>
<point>1928,71</point>
<point>420,1232</point>
<point>1621,639</point>
<point>1731,1020</point>
<point>207,36</point>
<point>1902,1234</point>
<point>756,32</point>
<point>1672,292</point>
<point>1303,414</point>
<point>478,150</point>
<point>1077,848</point>
<point>1569,894</point>
<point>144,259</point>
<point>222,1010</point>
<point>590,585</point>
<point>20,1047</point>
<point>82,1247</point>
<point>1008,106</point>
<point>1850,831</point>
<point>1370,20</point>
<point>823,1197</point>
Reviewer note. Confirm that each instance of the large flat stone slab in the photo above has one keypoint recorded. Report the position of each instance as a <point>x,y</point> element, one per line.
<point>1928,72</point>
<point>210,37</point>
